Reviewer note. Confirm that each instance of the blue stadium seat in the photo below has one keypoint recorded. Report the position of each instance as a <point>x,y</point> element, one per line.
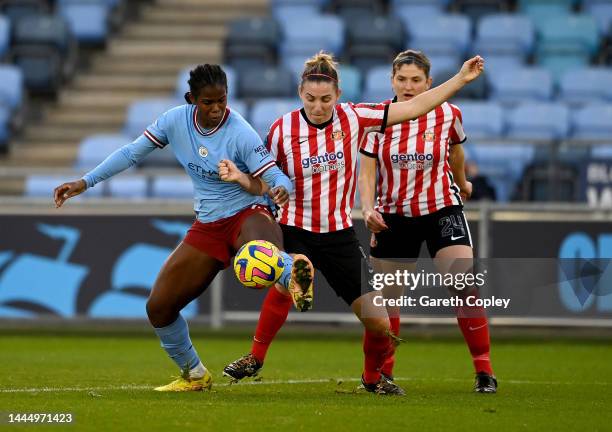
<point>376,31</point>
<point>292,13</point>
<point>559,64</point>
<point>88,19</point>
<point>441,34</point>
<point>477,9</point>
<point>503,164</point>
<point>44,48</point>
<point>267,82</point>
<point>443,62</point>
<point>350,82</point>
<point>442,4</point>
<point>295,64</point>
<point>266,111</point>
<point>281,3</point>
<point>95,148</point>
<point>481,119</point>
<point>564,3</point>
<point>499,63</point>
<point>46,30</point>
<point>172,186</point>
<point>601,11</point>
<point>17,9</point>
<point>378,85</point>
<point>42,68</point>
<point>182,82</point>
<point>593,122</point>
<point>538,121</point>
<point>539,10</point>
<point>586,85</point>
<point>475,90</point>
<point>312,34</point>
<point>349,10</point>
<point>517,85</point>
<point>5,128</point>
<point>568,34</point>
<point>417,12</point>
<point>128,186</point>
<point>41,186</point>
<point>252,42</point>
<point>5,35</point>
<point>11,87</point>
<point>602,151</point>
<point>144,112</point>
<point>240,107</point>
<point>372,40</point>
<point>504,34</point>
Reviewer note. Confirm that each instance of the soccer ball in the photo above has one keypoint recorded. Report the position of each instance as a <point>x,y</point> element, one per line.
<point>258,264</point>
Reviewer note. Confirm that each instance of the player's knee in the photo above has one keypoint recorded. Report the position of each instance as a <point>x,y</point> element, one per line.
<point>152,310</point>
<point>377,326</point>
<point>160,314</point>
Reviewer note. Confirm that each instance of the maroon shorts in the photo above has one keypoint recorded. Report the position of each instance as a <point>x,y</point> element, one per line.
<point>217,239</point>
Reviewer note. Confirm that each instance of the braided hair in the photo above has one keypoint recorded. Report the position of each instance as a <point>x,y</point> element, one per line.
<point>205,75</point>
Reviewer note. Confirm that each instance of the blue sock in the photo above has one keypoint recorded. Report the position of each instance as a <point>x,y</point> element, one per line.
<point>286,276</point>
<point>175,340</point>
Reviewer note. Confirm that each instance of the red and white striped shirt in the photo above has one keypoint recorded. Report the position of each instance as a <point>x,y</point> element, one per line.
<point>415,177</point>
<point>321,160</point>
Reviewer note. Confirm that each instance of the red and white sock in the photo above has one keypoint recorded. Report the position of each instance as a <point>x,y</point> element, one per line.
<point>273,315</point>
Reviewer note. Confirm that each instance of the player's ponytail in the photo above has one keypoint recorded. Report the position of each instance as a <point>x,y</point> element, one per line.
<point>205,75</point>
<point>320,67</point>
<point>416,58</point>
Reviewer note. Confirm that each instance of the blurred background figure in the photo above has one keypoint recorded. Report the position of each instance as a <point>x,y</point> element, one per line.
<point>481,188</point>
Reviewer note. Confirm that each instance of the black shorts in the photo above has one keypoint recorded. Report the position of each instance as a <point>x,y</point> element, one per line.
<point>335,254</point>
<point>403,239</point>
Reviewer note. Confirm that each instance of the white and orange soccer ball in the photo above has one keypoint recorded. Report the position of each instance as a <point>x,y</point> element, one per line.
<point>258,264</point>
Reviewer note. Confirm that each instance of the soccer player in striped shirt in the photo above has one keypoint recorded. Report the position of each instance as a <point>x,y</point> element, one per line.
<point>205,136</point>
<point>421,184</point>
<point>317,147</point>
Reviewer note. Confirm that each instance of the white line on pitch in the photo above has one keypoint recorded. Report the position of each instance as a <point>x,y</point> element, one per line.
<point>275,382</point>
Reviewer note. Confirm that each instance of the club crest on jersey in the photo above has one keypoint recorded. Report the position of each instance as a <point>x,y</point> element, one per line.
<point>429,135</point>
<point>338,135</point>
<point>203,151</point>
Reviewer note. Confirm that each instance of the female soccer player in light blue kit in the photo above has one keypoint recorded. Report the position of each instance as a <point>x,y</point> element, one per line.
<point>205,135</point>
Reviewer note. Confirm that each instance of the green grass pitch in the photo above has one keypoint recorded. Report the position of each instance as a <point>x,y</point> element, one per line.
<point>308,383</point>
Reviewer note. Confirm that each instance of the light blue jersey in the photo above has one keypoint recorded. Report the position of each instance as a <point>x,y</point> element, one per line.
<point>199,152</point>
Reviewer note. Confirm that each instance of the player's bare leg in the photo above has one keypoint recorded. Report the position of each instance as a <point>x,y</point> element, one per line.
<point>184,276</point>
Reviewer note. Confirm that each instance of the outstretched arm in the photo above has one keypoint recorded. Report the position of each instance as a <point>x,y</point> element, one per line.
<point>120,160</point>
<point>402,111</point>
